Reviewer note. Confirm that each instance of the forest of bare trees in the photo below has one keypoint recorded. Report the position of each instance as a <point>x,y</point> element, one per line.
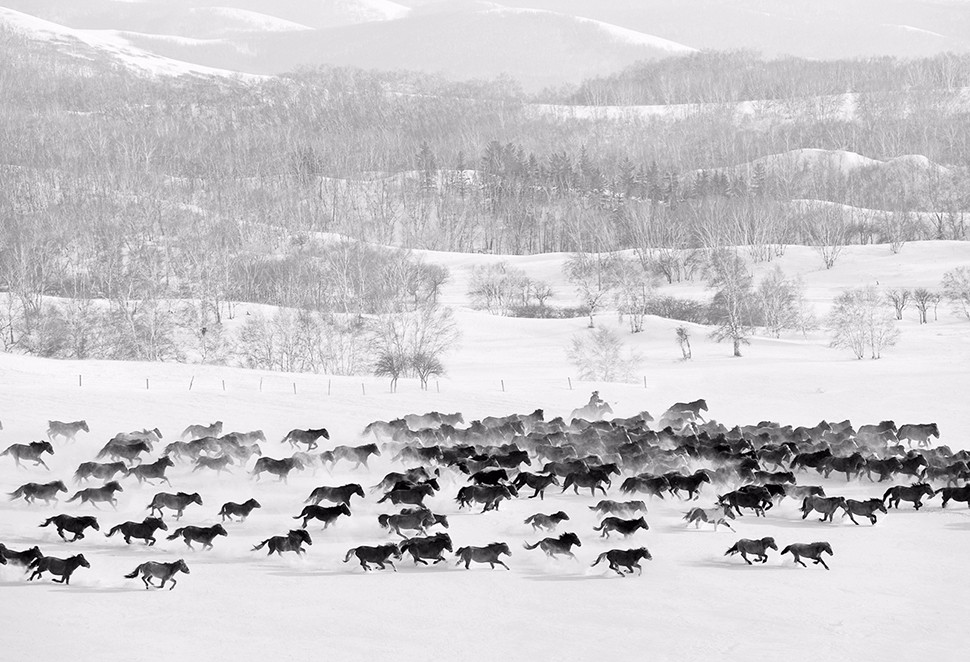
<point>138,211</point>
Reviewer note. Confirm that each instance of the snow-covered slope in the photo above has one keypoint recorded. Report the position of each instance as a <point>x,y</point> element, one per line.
<point>691,603</point>
<point>110,45</point>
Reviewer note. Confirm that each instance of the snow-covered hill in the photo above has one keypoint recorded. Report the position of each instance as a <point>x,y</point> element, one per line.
<point>240,604</point>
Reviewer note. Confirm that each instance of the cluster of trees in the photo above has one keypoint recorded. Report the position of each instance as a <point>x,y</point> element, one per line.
<point>130,204</point>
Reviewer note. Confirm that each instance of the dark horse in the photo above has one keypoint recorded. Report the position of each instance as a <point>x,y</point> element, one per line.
<point>202,534</point>
<point>431,547</point>
<point>20,558</point>
<point>326,514</point>
<point>624,526</point>
<point>825,505</point>
<point>537,482</point>
<point>556,546</point>
<point>628,558</point>
<point>380,555</point>
<point>489,554</point>
<point>144,530</point>
<point>75,525</point>
<point>758,548</point>
<point>177,502</point>
<point>912,493</point>
<point>101,471</point>
<point>156,470</point>
<point>240,510</point>
<point>162,571</point>
<point>812,551</point>
<point>96,495</point>
<point>63,567</point>
<point>955,494</point>
<point>279,468</point>
<point>340,494</point>
<point>308,437</point>
<point>291,542</point>
<point>867,508</point>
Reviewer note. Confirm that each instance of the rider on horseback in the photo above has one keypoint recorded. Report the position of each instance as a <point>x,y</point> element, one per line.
<point>595,401</point>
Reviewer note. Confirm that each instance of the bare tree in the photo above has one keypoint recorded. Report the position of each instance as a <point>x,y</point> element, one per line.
<point>634,291</point>
<point>595,275</point>
<point>598,355</point>
<point>956,288</point>
<point>733,300</point>
<point>922,299</point>
<point>683,341</point>
<point>780,301</point>
<point>827,233</point>
<point>861,321</point>
<point>899,297</point>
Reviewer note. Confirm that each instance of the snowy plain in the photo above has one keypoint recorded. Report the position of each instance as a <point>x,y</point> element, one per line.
<point>896,590</point>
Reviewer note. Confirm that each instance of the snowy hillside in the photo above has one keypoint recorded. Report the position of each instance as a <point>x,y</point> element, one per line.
<point>239,604</point>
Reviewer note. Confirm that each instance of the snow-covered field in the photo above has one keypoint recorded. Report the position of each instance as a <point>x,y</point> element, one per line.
<point>895,590</point>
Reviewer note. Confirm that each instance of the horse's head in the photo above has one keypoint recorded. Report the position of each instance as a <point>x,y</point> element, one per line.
<point>571,538</point>
<point>195,497</point>
<point>166,461</point>
<point>769,543</point>
<point>301,534</point>
<point>181,566</point>
<point>92,522</point>
<point>83,425</point>
<point>113,486</point>
<point>560,515</point>
<point>502,548</point>
<point>46,446</point>
<point>219,530</point>
<point>825,547</point>
<point>59,484</point>
<point>642,523</point>
<point>81,561</point>
<point>644,553</point>
<point>344,508</point>
<point>357,489</point>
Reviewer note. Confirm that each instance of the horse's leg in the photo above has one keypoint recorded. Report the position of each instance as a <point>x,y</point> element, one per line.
<point>173,583</point>
<point>799,561</point>
<point>822,561</point>
<point>616,568</point>
<point>502,563</point>
<point>745,557</point>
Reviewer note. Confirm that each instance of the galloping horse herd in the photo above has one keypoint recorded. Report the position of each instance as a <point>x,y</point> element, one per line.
<point>682,455</point>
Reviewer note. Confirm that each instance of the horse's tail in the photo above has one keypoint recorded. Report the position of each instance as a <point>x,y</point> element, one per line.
<point>599,528</point>
<point>49,520</point>
<point>732,550</point>
<point>599,558</point>
<point>805,506</point>
<point>786,550</point>
<point>113,531</point>
<point>7,451</point>
<point>460,551</point>
<point>75,497</point>
<point>528,546</point>
<point>261,545</point>
<point>529,519</point>
<point>385,498</point>
<point>938,491</point>
<point>350,553</point>
<point>174,535</point>
<point>134,573</point>
<point>383,520</point>
<point>35,562</point>
<point>888,493</point>
<point>16,494</point>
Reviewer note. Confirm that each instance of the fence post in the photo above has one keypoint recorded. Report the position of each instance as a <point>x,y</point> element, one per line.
<point>146,383</point>
<point>79,380</point>
<point>437,385</point>
<point>260,384</point>
<point>644,381</point>
<point>223,384</point>
<point>191,381</point>
<point>362,390</point>
<point>503,386</point>
<point>329,382</point>
<point>294,388</point>
<point>570,380</point>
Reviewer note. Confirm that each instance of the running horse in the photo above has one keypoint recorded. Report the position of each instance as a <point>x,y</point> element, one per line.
<point>756,548</point>
<point>31,452</point>
<point>46,492</point>
<point>624,526</point>
<point>96,495</point>
<point>380,555</point>
<point>144,530</point>
<point>308,437</point>
<point>812,551</point>
<point>75,525</point>
<point>177,502</point>
<point>431,547</point>
<point>825,505</point>
<point>913,493</point>
<point>628,558</point>
<point>66,430</point>
<point>356,454</point>
<point>61,567</point>
<point>202,534</point>
<point>867,508</point>
<point>157,570</point>
<point>547,522</point>
<point>291,542</point>
<point>488,554</point>
<point>279,468</point>
<point>240,510</point>
<point>557,546</point>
